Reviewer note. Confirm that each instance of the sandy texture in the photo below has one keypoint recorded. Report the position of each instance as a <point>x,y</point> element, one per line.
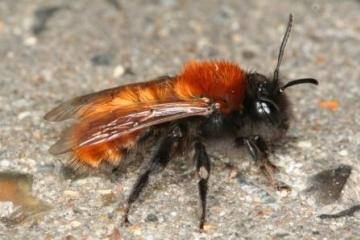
<point>84,46</point>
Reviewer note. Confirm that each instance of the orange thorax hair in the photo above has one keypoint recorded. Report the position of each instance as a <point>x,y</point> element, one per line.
<point>220,81</point>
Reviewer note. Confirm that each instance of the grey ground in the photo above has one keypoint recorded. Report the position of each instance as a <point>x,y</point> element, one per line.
<point>154,38</point>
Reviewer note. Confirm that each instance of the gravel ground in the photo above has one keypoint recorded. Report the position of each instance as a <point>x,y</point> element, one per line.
<point>76,47</point>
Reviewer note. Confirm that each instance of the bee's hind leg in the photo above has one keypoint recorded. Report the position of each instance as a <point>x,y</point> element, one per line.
<point>166,150</point>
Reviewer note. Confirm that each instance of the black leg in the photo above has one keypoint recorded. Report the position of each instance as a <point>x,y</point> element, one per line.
<point>203,170</point>
<point>158,162</point>
<point>259,152</point>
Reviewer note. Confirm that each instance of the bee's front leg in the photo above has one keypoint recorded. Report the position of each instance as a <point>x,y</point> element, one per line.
<point>259,152</point>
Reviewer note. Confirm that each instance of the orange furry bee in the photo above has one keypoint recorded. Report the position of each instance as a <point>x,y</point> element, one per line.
<point>207,99</point>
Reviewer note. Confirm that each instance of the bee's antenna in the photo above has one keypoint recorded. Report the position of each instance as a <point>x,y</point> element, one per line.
<point>282,48</point>
<point>299,81</point>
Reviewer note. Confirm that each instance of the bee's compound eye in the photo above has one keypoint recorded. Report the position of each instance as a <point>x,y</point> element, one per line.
<point>262,108</point>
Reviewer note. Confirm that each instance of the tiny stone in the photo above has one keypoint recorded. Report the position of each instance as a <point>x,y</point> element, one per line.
<point>304,144</point>
<point>75,224</point>
<point>30,41</point>
<point>104,191</point>
<point>118,71</point>
<point>343,153</point>
<point>151,218</point>
<point>102,59</point>
<point>284,193</point>
<point>23,115</point>
<point>5,163</point>
<point>248,54</point>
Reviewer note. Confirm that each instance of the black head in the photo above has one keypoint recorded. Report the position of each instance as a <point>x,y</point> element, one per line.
<point>266,101</point>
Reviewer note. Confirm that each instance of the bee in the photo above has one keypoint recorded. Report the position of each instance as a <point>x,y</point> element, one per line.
<point>207,99</point>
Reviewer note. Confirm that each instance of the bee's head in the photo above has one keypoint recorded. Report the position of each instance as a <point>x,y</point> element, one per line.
<point>266,101</point>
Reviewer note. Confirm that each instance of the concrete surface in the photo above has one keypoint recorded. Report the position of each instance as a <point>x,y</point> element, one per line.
<point>90,45</point>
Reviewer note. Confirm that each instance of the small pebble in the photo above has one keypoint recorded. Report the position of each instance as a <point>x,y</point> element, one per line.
<point>75,224</point>
<point>104,191</point>
<point>151,218</point>
<point>30,41</point>
<point>119,70</point>
<point>344,153</point>
<point>248,54</point>
<point>304,144</point>
<point>23,115</point>
<point>102,59</point>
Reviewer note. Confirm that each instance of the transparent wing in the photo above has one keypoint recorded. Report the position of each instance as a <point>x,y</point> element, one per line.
<point>108,126</point>
<point>82,106</point>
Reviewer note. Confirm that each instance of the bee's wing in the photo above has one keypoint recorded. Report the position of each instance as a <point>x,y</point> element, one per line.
<point>107,126</point>
<point>82,106</point>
